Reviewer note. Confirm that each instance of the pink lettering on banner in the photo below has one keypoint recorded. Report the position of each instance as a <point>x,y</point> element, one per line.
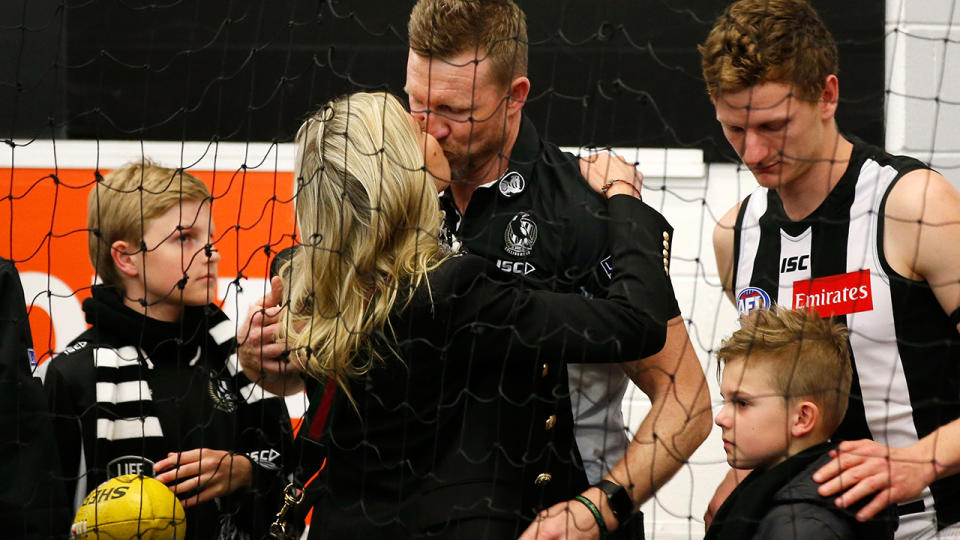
<point>841,294</point>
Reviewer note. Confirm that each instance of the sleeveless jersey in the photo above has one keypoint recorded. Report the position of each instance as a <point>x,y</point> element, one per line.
<point>905,350</point>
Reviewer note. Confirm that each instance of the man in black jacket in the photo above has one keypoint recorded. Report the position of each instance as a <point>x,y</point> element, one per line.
<point>522,203</point>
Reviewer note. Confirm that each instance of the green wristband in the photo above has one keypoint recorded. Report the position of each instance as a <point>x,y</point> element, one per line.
<point>597,516</point>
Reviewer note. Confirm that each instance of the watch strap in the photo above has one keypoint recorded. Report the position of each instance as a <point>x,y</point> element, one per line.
<point>620,503</point>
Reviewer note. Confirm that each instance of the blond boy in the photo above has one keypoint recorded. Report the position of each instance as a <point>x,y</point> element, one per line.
<point>785,384</point>
<point>151,388</point>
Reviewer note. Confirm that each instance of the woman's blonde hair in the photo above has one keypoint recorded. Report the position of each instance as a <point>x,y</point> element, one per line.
<point>369,220</point>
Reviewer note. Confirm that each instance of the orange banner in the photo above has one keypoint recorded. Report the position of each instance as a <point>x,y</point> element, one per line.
<point>45,215</point>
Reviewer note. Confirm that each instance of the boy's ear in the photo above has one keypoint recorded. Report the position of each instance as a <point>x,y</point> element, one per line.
<point>123,255</point>
<point>806,414</point>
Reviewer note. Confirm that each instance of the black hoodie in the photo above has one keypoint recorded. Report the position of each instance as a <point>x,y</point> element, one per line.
<point>194,392</point>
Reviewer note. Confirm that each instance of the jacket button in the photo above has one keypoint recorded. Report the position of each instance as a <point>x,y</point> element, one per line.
<point>666,236</point>
<point>544,370</point>
<point>666,254</point>
<point>666,244</point>
<point>551,421</point>
<point>543,479</point>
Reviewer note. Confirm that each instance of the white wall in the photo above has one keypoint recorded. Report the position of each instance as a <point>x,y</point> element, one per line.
<point>693,206</point>
<point>923,82</point>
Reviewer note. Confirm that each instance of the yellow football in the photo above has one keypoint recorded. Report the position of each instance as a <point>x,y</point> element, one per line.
<point>130,506</point>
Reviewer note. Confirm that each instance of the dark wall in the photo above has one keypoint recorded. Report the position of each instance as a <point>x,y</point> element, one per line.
<point>32,75</point>
<point>611,72</point>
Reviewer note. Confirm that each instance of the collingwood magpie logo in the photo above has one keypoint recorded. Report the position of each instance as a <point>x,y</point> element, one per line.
<point>511,184</point>
<point>447,237</point>
<point>520,235</point>
<point>223,397</point>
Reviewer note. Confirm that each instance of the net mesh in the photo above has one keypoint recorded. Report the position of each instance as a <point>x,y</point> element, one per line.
<point>218,90</point>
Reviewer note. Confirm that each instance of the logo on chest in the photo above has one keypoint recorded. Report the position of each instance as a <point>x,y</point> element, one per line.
<point>794,264</point>
<point>520,235</point>
<point>752,298</point>
<point>841,294</point>
<point>223,397</point>
<point>511,184</point>
<point>129,465</point>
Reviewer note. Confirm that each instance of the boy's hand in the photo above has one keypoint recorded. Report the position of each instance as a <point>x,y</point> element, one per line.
<point>209,473</point>
<point>258,350</point>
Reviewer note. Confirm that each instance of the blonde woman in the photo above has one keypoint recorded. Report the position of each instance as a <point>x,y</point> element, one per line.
<point>450,416</point>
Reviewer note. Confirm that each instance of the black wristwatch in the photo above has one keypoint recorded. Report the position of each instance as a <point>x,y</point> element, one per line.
<point>618,498</point>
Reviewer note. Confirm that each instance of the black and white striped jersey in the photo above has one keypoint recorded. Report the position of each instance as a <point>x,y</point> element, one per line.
<point>906,352</point>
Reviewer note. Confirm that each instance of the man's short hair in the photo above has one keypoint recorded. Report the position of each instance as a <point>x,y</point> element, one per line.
<point>759,41</point>
<point>809,357</point>
<point>495,29</point>
<point>125,200</point>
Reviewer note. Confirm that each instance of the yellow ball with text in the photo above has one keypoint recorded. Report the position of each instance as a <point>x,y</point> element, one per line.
<point>130,506</point>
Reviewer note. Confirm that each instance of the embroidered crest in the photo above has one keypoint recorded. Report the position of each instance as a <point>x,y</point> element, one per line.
<point>520,235</point>
<point>447,237</point>
<point>511,184</point>
<point>223,397</point>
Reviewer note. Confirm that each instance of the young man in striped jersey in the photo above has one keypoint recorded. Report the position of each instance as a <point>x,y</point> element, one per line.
<point>152,388</point>
<point>840,226</point>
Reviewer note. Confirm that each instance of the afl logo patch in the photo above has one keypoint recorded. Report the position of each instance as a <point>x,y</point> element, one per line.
<point>520,235</point>
<point>511,184</point>
<point>752,298</point>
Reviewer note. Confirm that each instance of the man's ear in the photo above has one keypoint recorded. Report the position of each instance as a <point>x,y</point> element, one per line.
<point>123,255</point>
<point>519,89</point>
<point>829,97</point>
<point>804,418</point>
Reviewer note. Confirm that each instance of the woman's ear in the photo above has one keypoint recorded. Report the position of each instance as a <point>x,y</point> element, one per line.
<point>804,418</point>
<point>124,258</point>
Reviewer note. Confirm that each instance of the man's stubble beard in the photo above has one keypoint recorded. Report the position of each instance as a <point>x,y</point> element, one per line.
<point>479,165</point>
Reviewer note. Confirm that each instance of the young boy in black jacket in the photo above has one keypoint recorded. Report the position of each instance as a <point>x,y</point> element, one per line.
<point>786,379</point>
<point>152,387</point>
